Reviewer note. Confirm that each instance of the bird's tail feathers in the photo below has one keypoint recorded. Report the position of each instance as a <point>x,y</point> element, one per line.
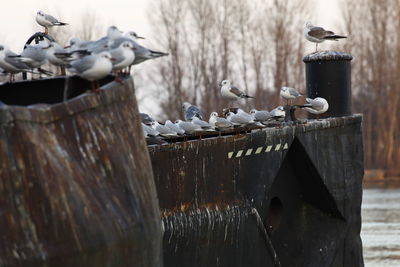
<point>61,23</point>
<point>335,37</point>
<point>155,54</point>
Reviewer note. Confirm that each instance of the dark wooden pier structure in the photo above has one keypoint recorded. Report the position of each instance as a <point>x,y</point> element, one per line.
<point>79,186</point>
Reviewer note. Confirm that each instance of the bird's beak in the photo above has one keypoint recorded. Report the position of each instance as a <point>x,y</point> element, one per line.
<point>140,37</point>
<point>68,46</point>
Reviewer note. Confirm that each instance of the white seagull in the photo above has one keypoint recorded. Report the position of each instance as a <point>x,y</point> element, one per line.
<point>238,119</point>
<point>93,67</point>
<point>174,127</point>
<point>188,126</point>
<point>48,21</point>
<point>317,105</point>
<point>123,55</point>
<point>232,93</point>
<point>218,122</point>
<point>278,113</point>
<point>318,35</point>
<point>149,130</point>
<point>289,93</point>
<point>9,62</point>
<point>261,115</point>
<point>162,129</point>
<point>203,124</point>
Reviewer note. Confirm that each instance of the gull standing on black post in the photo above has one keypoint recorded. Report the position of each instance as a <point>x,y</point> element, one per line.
<point>289,93</point>
<point>232,93</point>
<point>48,21</point>
<point>318,35</point>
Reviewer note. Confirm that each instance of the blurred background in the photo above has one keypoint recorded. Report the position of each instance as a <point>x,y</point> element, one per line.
<point>259,45</point>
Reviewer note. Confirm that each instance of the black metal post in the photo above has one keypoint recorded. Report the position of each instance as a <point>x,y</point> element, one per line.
<point>328,75</point>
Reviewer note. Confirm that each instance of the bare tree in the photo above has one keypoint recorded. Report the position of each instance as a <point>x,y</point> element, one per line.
<point>375,76</point>
<point>210,41</point>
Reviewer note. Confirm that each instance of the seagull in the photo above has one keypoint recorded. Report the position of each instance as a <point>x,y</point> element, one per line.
<point>318,35</point>
<point>203,124</point>
<point>317,105</point>
<point>231,92</point>
<point>48,21</point>
<point>237,119</point>
<point>278,113</point>
<point>261,115</point>
<point>146,119</point>
<point>174,127</point>
<point>243,113</point>
<point>124,56</point>
<point>34,55</point>
<point>142,53</point>
<point>289,93</point>
<point>162,129</point>
<point>150,131</point>
<point>61,57</point>
<point>9,62</point>
<point>218,122</point>
<point>188,126</point>
<point>93,67</point>
<point>191,111</point>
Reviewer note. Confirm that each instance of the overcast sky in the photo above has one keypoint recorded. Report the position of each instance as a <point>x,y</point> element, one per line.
<point>18,16</point>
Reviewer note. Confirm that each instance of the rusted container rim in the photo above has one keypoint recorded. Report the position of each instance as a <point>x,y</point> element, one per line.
<point>47,113</point>
<point>327,56</point>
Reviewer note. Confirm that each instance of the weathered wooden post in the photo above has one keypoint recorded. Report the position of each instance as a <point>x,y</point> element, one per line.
<point>328,75</point>
<point>76,183</point>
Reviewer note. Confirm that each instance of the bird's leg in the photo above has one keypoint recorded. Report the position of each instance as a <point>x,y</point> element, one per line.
<point>92,86</point>
<point>97,86</point>
<point>118,79</point>
<point>316,47</point>
<point>46,30</point>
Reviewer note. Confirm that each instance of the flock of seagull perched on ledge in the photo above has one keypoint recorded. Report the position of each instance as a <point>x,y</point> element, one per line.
<point>92,60</point>
<point>194,119</point>
<point>117,52</point>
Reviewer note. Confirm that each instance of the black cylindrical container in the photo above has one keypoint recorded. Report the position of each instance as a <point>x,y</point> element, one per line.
<point>328,75</point>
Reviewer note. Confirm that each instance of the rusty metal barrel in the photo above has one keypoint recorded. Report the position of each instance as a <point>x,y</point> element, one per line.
<point>328,75</point>
<point>76,182</point>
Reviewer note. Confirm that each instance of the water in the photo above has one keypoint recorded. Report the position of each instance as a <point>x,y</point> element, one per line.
<point>381,227</point>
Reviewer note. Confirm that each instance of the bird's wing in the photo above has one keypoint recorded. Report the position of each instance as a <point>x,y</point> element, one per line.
<point>83,64</point>
<point>234,90</point>
<point>35,53</point>
<point>315,103</point>
<point>16,63</point>
<point>51,19</point>
<point>319,32</point>
<point>193,111</point>
<point>117,42</point>
<point>117,55</point>
<point>294,92</point>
